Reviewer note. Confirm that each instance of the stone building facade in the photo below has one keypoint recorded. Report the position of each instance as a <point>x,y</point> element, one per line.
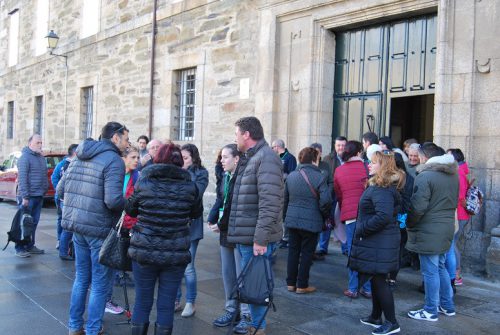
<point>309,69</point>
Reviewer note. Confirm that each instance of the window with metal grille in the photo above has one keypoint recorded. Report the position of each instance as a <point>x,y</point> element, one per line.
<point>186,91</point>
<point>10,119</point>
<point>87,112</point>
<point>37,128</point>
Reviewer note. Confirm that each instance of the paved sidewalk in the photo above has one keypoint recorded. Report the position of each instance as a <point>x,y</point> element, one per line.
<point>35,293</point>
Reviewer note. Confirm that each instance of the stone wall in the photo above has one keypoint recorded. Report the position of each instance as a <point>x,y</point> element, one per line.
<point>269,58</point>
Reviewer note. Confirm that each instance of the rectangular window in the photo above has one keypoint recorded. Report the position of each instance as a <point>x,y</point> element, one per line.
<point>13,37</point>
<point>87,114</point>
<point>186,89</point>
<point>42,27</point>
<point>90,18</point>
<point>10,120</point>
<point>37,128</point>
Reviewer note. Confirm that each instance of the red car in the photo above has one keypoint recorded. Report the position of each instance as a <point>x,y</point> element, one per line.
<point>8,175</point>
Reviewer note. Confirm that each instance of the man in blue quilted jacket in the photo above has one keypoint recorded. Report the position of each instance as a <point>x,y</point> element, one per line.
<point>33,183</point>
<point>92,190</point>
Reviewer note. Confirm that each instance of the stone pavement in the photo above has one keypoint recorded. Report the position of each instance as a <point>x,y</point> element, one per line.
<point>35,293</point>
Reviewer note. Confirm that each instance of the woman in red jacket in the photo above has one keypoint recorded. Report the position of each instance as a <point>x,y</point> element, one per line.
<point>349,183</point>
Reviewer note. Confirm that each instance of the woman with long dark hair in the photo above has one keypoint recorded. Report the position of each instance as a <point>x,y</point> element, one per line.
<point>199,175</point>
<point>375,247</point>
<point>165,200</point>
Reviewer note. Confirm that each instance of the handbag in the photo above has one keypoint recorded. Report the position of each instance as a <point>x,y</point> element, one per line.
<point>114,249</point>
<point>327,223</point>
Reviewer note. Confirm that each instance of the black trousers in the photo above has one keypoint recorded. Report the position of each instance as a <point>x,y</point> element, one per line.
<point>301,246</point>
<point>382,298</point>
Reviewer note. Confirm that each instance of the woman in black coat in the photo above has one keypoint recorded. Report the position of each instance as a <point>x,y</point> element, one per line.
<point>375,246</point>
<point>307,203</point>
<point>165,200</point>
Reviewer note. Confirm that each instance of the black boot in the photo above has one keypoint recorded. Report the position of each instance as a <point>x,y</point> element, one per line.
<point>162,330</point>
<point>140,328</point>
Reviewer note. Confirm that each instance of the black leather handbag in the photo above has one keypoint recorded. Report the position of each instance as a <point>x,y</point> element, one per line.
<point>114,250</point>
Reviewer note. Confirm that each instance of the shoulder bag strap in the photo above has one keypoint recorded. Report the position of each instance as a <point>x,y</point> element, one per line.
<point>313,191</point>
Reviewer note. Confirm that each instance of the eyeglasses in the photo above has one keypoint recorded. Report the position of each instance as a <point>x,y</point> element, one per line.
<point>120,130</point>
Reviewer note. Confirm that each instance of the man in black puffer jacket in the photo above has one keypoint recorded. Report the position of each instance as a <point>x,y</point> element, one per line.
<point>92,189</point>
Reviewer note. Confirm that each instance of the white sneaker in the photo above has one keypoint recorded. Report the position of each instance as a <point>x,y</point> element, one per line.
<point>113,308</point>
<point>188,310</point>
<point>446,312</point>
<point>422,314</point>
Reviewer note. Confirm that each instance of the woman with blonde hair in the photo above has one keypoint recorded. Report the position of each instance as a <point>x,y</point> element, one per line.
<point>375,246</point>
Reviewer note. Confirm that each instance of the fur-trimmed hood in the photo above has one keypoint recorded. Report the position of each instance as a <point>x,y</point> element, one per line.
<point>445,163</point>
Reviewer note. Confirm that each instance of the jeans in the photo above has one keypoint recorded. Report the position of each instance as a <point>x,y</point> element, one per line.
<point>59,207</point>
<point>451,260</point>
<point>324,240</point>
<point>438,291</point>
<point>35,207</point>
<point>300,252</point>
<point>231,269</point>
<point>169,279</point>
<point>461,226</point>
<point>65,236</point>
<point>89,272</point>
<point>190,276</point>
<point>256,311</point>
<point>353,275</point>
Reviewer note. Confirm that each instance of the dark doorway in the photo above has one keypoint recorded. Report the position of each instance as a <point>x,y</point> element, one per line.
<point>412,117</point>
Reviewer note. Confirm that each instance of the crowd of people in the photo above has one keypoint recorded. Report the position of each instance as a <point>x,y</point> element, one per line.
<point>388,207</point>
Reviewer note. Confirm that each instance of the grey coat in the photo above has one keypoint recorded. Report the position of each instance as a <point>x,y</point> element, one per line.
<point>303,209</point>
<point>32,174</point>
<point>92,189</point>
<point>257,203</point>
<point>200,178</point>
<point>431,219</point>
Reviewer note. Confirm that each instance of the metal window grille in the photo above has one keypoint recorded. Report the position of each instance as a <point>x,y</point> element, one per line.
<point>87,115</point>
<point>38,114</point>
<point>186,89</point>
<point>10,120</point>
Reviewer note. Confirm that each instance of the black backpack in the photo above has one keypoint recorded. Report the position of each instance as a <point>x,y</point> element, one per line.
<point>21,228</point>
<point>255,286</point>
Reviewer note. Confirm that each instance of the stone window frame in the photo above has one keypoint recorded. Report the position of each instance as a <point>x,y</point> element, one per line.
<point>11,109</point>
<point>13,43</point>
<point>41,27</point>
<point>166,124</point>
<point>39,110</point>
<point>186,101</point>
<point>86,118</point>
<point>87,21</point>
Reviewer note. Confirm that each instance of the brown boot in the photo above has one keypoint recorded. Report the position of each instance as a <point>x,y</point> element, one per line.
<point>77,332</point>
<point>309,289</point>
<point>251,331</point>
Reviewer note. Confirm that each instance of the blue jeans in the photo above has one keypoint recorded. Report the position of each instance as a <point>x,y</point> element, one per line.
<point>65,236</point>
<point>353,275</point>
<point>59,207</point>
<point>35,207</point>
<point>324,240</point>
<point>190,276</point>
<point>437,283</point>
<point>88,272</point>
<point>256,311</point>
<point>169,279</point>
<point>451,260</point>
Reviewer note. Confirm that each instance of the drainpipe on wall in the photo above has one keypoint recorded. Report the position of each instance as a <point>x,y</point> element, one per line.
<point>151,79</point>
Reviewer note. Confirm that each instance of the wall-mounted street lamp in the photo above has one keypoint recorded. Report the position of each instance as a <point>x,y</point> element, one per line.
<point>52,40</point>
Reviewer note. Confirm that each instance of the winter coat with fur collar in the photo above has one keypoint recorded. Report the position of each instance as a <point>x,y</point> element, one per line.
<point>431,217</point>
